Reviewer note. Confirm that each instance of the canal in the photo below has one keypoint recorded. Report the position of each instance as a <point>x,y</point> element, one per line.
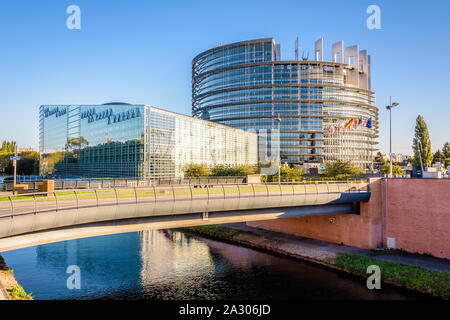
<point>174,265</point>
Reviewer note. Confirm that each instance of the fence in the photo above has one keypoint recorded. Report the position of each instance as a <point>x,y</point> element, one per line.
<point>62,184</point>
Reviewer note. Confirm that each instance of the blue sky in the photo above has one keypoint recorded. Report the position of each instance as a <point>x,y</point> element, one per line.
<point>141,51</point>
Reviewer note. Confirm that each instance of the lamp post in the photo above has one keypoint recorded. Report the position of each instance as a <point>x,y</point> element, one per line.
<point>389,107</point>
<point>279,149</point>
<point>419,146</point>
<point>15,165</point>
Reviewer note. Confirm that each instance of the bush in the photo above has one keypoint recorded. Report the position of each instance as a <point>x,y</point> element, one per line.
<point>288,174</point>
<point>447,162</point>
<point>342,170</point>
<point>201,170</point>
<point>236,171</point>
<point>396,170</point>
<point>17,293</point>
<point>196,170</point>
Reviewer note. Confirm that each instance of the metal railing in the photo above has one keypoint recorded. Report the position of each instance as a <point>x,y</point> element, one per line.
<point>92,183</point>
<point>35,203</point>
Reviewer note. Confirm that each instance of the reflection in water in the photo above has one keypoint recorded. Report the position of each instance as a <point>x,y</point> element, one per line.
<point>173,265</point>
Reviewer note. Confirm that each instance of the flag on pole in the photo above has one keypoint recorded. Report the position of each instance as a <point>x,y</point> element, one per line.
<point>369,123</point>
<point>348,124</point>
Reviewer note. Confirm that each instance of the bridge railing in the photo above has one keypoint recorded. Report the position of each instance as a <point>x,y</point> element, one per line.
<point>94,183</point>
<point>35,203</point>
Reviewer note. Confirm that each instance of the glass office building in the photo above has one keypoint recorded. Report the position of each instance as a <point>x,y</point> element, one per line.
<point>246,85</point>
<point>134,141</point>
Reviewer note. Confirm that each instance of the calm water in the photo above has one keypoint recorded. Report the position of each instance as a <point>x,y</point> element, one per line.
<point>173,265</point>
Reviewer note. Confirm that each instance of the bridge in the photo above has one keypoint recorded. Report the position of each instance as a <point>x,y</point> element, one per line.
<point>38,218</point>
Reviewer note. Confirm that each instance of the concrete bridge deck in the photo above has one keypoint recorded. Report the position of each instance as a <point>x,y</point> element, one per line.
<point>30,219</point>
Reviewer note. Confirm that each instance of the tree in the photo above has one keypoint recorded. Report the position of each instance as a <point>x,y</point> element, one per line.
<point>439,156</point>
<point>396,170</point>
<point>288,174</point>
<point>446,150</point>
<point>342,170</point>
<point>236,170</point>
<point>8,146</point>
<point>421,135</point>
<point>194,170</point>
<point>379,158</point>
<point>27,165</point>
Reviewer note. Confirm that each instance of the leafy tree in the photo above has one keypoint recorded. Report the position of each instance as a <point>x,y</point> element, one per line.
<point>396,170</point>
<point>229,170</point>
<point>194,170</point>
<point>446,150</point>
<point>288,174</point>
<point>439,156</point>
<point>379,158</point>
<point>342,170</point>
<point>8,146</point>
<point>27,165</point>
<point>421,135</point>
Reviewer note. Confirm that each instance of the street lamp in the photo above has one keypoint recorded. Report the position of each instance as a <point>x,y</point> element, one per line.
<point>389,107</point>
<point>419,146</point>
<point>279,149</point>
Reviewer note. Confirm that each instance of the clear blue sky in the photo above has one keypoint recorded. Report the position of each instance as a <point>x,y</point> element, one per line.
<point>140,52</point>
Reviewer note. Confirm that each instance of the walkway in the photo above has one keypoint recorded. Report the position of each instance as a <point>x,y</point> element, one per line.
<point>3,294</point>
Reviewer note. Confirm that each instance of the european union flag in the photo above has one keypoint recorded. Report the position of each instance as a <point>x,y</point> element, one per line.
<point>369,123</point>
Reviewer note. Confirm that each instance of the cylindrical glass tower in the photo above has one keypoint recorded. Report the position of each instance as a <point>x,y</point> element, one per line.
<point>326,108</point>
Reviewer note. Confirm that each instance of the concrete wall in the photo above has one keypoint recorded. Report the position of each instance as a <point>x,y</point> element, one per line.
<point>418,218</point>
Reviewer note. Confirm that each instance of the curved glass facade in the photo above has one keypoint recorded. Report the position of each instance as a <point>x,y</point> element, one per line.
<point>246,86</point>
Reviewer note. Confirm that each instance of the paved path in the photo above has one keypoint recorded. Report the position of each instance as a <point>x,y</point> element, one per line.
<point>318,249</point>
<point>3,294</point>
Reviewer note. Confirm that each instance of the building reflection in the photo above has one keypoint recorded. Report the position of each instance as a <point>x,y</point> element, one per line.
<point>168,255</point>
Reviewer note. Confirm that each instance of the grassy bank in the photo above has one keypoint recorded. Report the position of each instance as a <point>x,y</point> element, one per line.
<point>15,290</point>
<point>412,277</point>
<point>216,231</point>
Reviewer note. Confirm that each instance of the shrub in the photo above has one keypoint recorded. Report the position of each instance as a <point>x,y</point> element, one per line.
<point>17,293</point>
<point>342,170</point>
<point>196,170</point>
<point>396,170</point>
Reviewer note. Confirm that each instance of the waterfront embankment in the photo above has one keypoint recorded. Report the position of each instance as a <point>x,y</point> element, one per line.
<point>9,288</point>
<point>421,273</point>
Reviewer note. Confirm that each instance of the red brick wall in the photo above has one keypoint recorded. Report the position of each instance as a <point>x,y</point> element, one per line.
<point>419,215</point>
<point>418,218</point>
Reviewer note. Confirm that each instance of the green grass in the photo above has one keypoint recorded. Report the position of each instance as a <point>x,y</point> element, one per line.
<point>17,293</point>
<point>216,231</point>
<point>412,277</point>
